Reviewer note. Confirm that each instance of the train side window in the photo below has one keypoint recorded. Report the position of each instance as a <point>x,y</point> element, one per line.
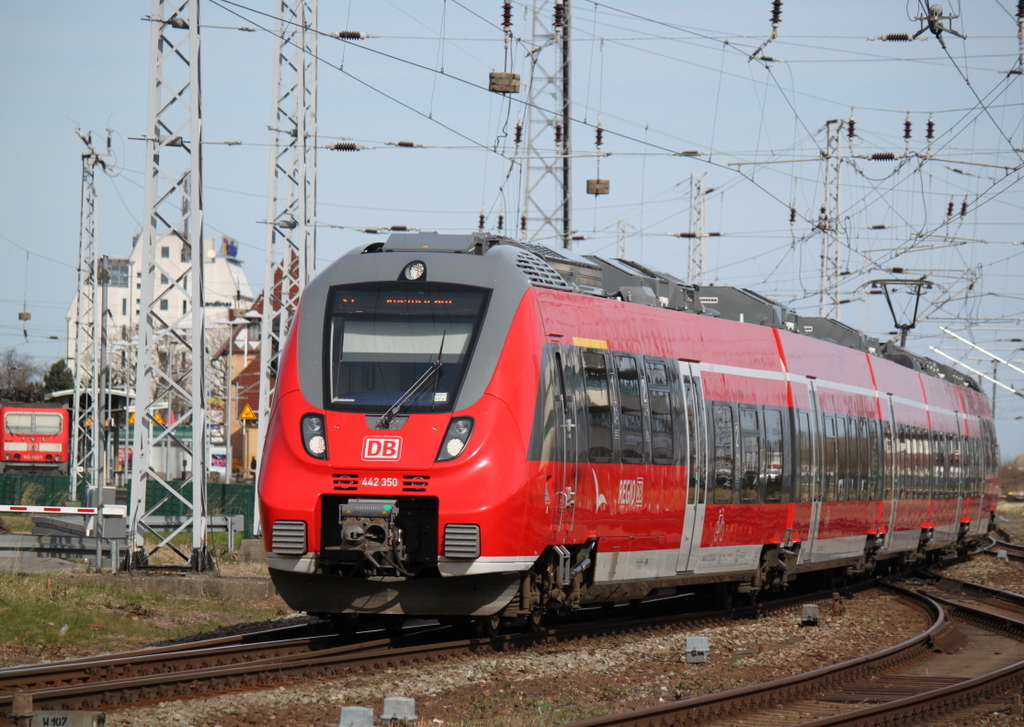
<point>923,463</point>
<point>889,462</point>
<point>966,487</point>
<point>863,460</point>
<point>723,449</point>
<point>773,455</point>
<point>966,465</point>
<point>916,463</point>
<point>910,471</point>
<point>599,409</point>
<point>979,454</point>
<point>750,451</point>
<point>830,463</point>
<point>695,490</point>
<point>982,458</point>
<point>631,421</point>
<point>947,465</point>
<point>544,443</point>
<point>955,447</point>
<point>901,461</point>
<point>992,456</point>
<point>657,373</point>
<point>925,469</point>
<point>662,449</point>
<point>927,464</point>
<point>978,467</point>
<point>972,449</point>
<point>947,446</point>
<point>842,460</point>
<point>660,396</point>
<point>805,453</point>
<point>874,483</point>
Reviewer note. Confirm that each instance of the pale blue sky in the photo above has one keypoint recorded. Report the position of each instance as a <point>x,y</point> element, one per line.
<point>661,76</point>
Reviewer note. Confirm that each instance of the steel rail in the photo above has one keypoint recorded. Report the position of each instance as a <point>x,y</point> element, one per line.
<point>20,678</point>
<point>928,706</point>
<point>942,634</point>
<point>921,708</point>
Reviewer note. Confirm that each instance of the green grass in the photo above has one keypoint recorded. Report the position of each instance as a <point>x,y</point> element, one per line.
<point>55,617</point>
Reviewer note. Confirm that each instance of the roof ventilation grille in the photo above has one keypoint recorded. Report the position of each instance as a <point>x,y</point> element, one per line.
<point>539,272</point>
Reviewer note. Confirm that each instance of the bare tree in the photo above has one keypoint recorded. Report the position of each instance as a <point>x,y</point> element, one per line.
<point>19,375</point>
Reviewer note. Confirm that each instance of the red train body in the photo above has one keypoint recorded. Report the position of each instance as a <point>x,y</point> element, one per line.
<point>467,426</point>
<point>35,438</point>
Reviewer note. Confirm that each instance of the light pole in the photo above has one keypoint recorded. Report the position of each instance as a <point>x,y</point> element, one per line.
<point>228,415</point>
<point>233,324</point>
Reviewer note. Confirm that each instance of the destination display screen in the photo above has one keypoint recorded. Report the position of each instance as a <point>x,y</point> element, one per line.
<point>383,337</point>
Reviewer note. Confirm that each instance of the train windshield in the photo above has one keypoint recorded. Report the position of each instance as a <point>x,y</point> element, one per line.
<point>382,337</point>
<point>27,422</point>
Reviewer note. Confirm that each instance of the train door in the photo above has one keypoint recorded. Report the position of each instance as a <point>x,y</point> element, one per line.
<point>567,468</point>
<point>696,466</point>
<point>809,472</point>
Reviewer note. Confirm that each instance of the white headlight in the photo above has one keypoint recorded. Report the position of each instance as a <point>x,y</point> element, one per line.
<point>414,271</point>
<point>454,447</point>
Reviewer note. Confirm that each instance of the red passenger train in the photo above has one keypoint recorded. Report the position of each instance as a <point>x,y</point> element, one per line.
<point>471,426</point>
<point>35,438</point>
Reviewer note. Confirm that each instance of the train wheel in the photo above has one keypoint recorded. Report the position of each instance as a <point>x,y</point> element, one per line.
<point>489,625</point>
<point>536,620</point>
<point>725,593</point>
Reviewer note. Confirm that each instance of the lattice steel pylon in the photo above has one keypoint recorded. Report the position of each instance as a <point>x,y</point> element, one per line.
<point>829,225</point>
<point>547,178</point>
<point>85,420</point>
<point>698,237</point>
<point>170,375</point>
<point>291,202</point>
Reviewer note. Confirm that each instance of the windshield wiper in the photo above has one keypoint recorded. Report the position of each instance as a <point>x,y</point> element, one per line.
<point>434,369</point>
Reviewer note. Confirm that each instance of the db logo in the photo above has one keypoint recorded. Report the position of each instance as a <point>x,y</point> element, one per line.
<point>382,448</point>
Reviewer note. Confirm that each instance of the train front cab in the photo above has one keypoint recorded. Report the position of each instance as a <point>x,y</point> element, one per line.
<point>34,439</point>
<point>414,499</point>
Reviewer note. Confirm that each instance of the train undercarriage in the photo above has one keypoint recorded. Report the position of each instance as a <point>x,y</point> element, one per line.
<point>374,572</point>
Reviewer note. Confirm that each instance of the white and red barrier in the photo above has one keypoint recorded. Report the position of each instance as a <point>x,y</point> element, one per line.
<point>114,510</point>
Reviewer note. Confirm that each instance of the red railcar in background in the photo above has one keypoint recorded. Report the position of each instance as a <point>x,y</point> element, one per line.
<point>35,438</point>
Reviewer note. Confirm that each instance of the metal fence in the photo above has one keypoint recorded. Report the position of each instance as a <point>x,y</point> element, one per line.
<point>52,491</point>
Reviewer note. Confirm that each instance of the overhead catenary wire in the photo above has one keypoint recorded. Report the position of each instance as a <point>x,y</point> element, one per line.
<point>787,205</point>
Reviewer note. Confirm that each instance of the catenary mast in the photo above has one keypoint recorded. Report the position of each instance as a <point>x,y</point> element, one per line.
<point>291,202</point>
<point>171,385</point>
<point>84,456</point>
<point>547,182</point>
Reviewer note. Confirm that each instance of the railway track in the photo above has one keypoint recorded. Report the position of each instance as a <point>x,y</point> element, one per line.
<point>885,681</point>
<point>1014,551</point>
<point>260,660</point>
<point>913,682</point>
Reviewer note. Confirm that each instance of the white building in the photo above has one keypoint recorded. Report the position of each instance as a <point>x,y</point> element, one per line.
<point>226,287</point>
